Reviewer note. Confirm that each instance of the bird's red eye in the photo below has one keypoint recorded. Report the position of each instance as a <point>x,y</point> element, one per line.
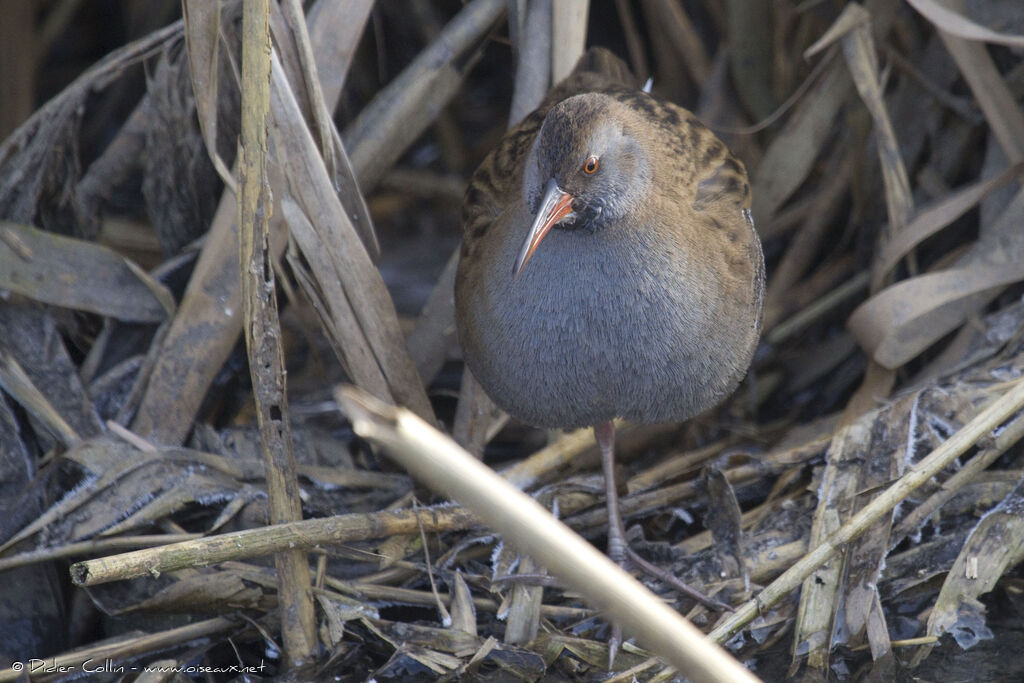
<point>590,168</point>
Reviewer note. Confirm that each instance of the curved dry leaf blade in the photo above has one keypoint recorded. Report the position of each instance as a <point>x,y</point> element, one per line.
<point>329,301</point>
<point>292,41</point>
<point>791,155</point>
<point>523,621</point>
<point>207,593</point>
<point>14,381</point>
<point>934,218</point>
<point>960,26</point>
<point>852,17</point>
<point>859,50</point>
<point>208,322</point>
<point>39,373</point>
<point>409,637</point>
<point>352,199</point>
<point>39,151</point>
<point>877,629</point>
<point>202,39</point>
<point>317,80</point>
<point>336,254</point>
<point>724,521</point>
<point>79,275</point>
<point>994,97</point>
<point>335,29</point>
<point>901,321</point>
<point>178,486</point>
<point>882,463</point>
<point>83,454</point>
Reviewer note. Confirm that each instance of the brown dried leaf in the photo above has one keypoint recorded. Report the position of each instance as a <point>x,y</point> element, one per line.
<point>995,98</point>
<point>994,547</point>
<point>297,59</point>
<point>38,372</point>
<point>39,162</point>
<point>931,219</point>
<point>883,462</point>
<point>859,50</point>
<point>171,488</point>
<point>127,489</point>
<point>398,114</point>
<point>396,548</point>
<point>960,26</point>
<point>335,29</point>
<point>208,322</point>
<point>901,321</point>
<point>79,275</point>
<point>524,608</point>
<point>180,184</point>
<point>209,593</point>
<point>328,239</point>
<point>840,483</point>
<point>789,158</point>
<point>463,611</point>
<point>441,639</point>
<point>338,610</point>
<point>202,36</point>
<point>328,297</point>
<point>723,520</point>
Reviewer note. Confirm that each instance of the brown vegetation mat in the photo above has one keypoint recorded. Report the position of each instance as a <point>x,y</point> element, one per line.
<point>858,501</point>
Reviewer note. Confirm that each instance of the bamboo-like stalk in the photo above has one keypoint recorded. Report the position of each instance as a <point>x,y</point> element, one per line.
<point>533,67</point>
<point>263,332</point>
<point>437,460</point>
<point>304,535</point>
<point>568,35</point>
<point>978,464</point>
<point>91,546</point>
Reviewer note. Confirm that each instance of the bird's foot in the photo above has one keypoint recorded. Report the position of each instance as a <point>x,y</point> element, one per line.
<point>623,555</point>
<point>666,577</point>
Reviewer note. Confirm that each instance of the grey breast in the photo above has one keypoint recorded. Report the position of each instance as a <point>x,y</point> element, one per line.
<point>598,326</point>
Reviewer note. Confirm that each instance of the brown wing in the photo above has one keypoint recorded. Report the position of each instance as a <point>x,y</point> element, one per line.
<point>714,185</point>
<point>498,180</point>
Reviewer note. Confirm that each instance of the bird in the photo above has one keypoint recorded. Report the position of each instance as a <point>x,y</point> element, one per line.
<point>609,266</point>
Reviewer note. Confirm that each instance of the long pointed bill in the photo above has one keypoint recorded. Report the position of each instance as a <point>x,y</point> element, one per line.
<point>556,207</point>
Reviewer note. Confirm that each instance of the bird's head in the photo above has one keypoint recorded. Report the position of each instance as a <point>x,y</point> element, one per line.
<point>586,170</point>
